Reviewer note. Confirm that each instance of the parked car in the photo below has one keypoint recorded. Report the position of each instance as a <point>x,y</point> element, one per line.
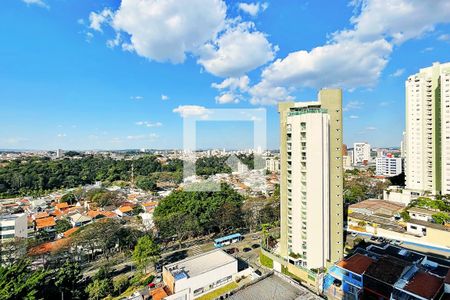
<point>232,250</point>
<point>255,237</point>
<point>247,249</point>
<point>354,234</point>
<point>373,238</point>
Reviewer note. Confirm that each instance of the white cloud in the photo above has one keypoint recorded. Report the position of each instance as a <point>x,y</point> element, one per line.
<point>428,49</point>
<point>370,128</point>
<point>114,42</point>
<point>186,111</point>
<point>266,94</point>
<point>396,20</point>
<point>172,29</point>
<point>167,30</point>
<point>233,83</point>
<point>384,103</point>
<point>40,3</point>
<point>149,124</point>
<point>444,37</point>
<point>226,98</point>
<point>164,97</point>
<point>98,19</point>
<point>346,64</point>
<point>398,73</point>
<point>354,104</point>
<point>231,89</point>
<point>61,135</point>
<point>354,58</point>
<point>151,136</point>
<point>238,50</point>
<point>136,97</point>
<point>253,9</point>
<point>354,117</point>
<point>89,36</point>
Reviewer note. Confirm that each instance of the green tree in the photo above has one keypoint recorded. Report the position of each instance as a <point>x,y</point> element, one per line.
<point>98,289</point>
<point>67,279</point>
<point>19,281</point>
<point>145,251</point>
<point>62,225</point>
<point>441,218</point>
<point>70,198</point>
<point>146,183</point>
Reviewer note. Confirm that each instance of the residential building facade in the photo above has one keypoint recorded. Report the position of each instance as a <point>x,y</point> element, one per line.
<point>427,142</point>
<point>388,166</point>
<point>312,180</point>
<point>12,226</point>
<point>361,153</point>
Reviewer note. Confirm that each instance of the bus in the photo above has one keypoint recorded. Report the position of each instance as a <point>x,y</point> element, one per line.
<point>227,240</point>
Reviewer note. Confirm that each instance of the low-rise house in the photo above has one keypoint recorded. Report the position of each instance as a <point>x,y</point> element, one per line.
<point>377,207</point>
<point>124,211</point>
<point>350,273</point>
<point>99,214</point>
<point>432,233</point>
<point>421,214</point>
<point>388,272</point>
<point>78,220</point>
<point>200,274</point>
<point>47,224</point>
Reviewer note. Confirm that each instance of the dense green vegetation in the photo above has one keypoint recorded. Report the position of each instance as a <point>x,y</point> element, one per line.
<point>360,185</point>
<point>215,164</point>
<point>39,175</point>
<point>36,176</point>
<point>424,202</point>
<point>184,213</point>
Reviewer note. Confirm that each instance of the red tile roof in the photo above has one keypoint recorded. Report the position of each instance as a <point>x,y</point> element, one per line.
<point>70,231</point>
<point>125,209</point>
<point>358,263</point>
<point>62,205</point>
<point>45,222</point>
<point>424,285</point>
<point>158,293</point>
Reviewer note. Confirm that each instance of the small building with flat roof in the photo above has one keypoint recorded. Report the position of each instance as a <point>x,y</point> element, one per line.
<point>201,273</point>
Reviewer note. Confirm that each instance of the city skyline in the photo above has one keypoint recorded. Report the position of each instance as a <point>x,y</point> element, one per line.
<point>61,87</point>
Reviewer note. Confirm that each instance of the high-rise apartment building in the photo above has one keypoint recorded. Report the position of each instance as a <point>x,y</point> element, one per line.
<point>361,153</point>
<point>427,149</point>
<point>312,180</point>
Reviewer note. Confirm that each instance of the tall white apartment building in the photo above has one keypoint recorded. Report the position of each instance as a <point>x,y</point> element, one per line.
<point>388,166</point>
<point>273,164</point>
<point>427,149</point>
<point>312,180</point>
<point>361,153</point>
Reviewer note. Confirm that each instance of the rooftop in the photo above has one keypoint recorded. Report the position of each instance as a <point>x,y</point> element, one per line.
<point>45,222</point>
<point>386,269</point>
<point>375,206</point>
<point>357,264</point>
<point>424,285</point>
<point>274,287</point>
<point>202,263</point>
<point>430,225</point>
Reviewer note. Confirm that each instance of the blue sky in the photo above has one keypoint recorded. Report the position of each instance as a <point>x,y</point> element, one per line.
<point>121,74</point>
